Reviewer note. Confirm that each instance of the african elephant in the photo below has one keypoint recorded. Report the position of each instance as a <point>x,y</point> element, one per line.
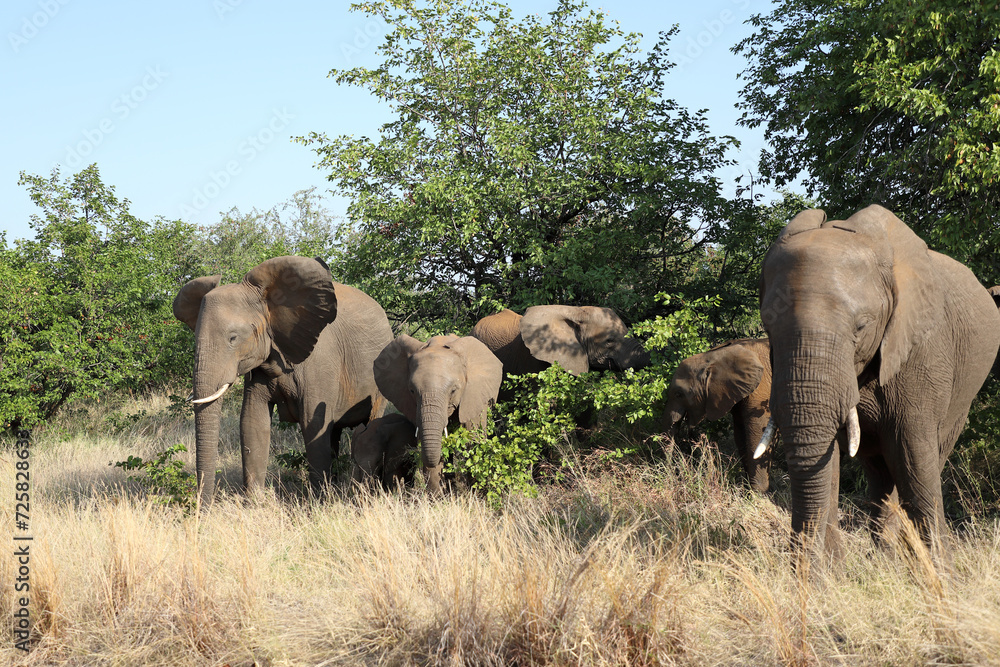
<point>878,345</point>
<point>580,338</point>
<point>734,377</point>
<point>304,343</point>
<point>381,451</point>
<point>445,380</point>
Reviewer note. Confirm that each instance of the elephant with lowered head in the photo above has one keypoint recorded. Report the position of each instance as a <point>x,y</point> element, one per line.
<point>733,378</point>
<point>580,338</point>
<point>445,380</point>
<point>382,449</point>
<point>879,345</point>
<point>303,344</point>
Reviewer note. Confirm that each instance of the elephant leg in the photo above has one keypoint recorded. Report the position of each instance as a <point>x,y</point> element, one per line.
<point>834,544</point>
<point>316,431</point>
<point>747,432</point>
<point>255,434</point>
<point>918,480</point>
<point>881,491</point>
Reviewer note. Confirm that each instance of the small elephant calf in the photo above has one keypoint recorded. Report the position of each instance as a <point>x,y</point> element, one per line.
<point>383,451</point>
<point>734,377</point>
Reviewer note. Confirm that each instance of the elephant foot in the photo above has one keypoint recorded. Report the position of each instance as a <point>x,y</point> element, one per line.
<point>432,477</point>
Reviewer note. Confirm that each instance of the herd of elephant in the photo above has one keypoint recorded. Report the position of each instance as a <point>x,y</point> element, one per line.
<point>876,345</point>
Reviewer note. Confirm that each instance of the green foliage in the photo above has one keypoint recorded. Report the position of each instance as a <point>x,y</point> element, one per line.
<point>536,426</point>
<point>293,460</point>
<point>520,154</point>
<point>88,302</point>
<point>240,241</point>
<point>164,478</point>
<point>893,102</point>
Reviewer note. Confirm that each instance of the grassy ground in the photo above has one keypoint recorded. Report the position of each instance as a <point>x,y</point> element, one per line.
<point>624,564</point>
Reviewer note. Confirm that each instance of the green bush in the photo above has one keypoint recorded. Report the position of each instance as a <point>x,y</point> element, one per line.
<point>164,478</point>
<point>538,424</point>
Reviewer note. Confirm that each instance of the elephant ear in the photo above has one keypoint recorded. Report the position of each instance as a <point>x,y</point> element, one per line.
<point>732,375</point>
<point>187,303</point>
<point>300,300</point>
<point>483,374</point>
<point>918,304</point>
<point>552,333</point>
<point>392,374</point>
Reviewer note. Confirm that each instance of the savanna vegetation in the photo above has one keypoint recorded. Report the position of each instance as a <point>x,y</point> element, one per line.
<point>530,160</point>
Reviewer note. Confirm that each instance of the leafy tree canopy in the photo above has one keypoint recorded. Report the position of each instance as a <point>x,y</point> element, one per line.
<point>531,161</point>
<point>885,101</point>
<point>87,302</point>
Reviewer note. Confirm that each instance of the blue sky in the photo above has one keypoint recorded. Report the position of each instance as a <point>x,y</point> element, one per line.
<point>188,107</point>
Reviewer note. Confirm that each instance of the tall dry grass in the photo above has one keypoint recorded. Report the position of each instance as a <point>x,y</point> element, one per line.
<point>668,563</point>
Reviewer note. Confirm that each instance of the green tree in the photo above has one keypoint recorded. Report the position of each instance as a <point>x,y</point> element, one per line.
<point>87,308</point>
<point>302,225</point>
<point>529,162</point>
<point>890,102</point>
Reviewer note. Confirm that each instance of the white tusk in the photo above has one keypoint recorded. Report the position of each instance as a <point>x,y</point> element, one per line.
<point>213,396</point>
<point>765,439</point>
<point>853,431</point>
<point>446,431</point>
<point>416,432</point>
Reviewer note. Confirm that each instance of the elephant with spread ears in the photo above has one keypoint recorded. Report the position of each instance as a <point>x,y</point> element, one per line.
<point>579,338</point>
<point>447,380</point>
<point>382,451</point>
<point>879,346</point>
<point>733,378</point>
<point>303,343</point>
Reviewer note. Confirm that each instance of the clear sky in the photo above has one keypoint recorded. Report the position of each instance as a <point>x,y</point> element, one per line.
<point>188,107</point>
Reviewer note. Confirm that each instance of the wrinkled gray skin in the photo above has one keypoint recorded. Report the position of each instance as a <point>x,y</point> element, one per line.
<point>580,338</point>
<point>303,343</point>
<point>445,380</point>
<point>861,314</point>
<point>733,378</point>
<point>382,452</point>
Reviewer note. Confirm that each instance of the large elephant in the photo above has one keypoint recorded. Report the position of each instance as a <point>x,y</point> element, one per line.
<point>580,338</point>
<point>304,343</point>
<point>733,378</point>
<point>382,449</point>
<point>445,380</point>
<point>878,345</point>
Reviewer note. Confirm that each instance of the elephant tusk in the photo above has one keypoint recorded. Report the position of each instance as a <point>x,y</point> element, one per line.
<point>416,432</point>
<point>853,432</point>
<point>213,396</point>
<point>765,439</point>
<point>446,431</point>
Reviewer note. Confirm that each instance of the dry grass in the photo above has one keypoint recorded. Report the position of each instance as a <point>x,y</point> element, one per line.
<point>624,565</point>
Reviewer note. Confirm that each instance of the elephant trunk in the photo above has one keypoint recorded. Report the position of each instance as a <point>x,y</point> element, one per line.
<point>208,384</point>
<point>632,355</point>
<point>433,422</point>
<point>206,424</point>
<point>814,394</point>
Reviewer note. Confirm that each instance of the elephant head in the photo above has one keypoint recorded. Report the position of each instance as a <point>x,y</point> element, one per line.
<point>844,303</point>
<point>708,385</point>
<point>272,318</point>
<point>381,451</point>
<point>432,383</point>
<point>581,338</point>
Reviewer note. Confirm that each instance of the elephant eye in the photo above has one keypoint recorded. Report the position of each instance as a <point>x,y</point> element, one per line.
<point>232,338</point>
